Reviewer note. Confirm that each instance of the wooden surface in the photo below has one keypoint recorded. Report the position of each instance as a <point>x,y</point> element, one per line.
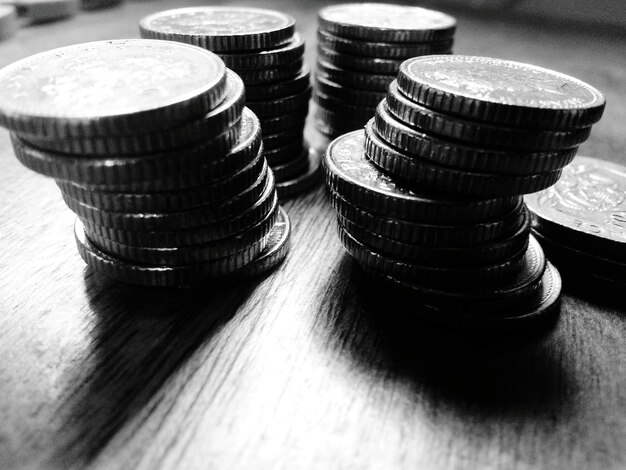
<point>299,369</point>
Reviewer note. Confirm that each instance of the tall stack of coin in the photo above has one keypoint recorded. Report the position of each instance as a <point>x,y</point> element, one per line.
<point>428,196</point>
<point>264,49</point>
<point>153,149</point>
<point>581,223</point>
<point>360,47</point>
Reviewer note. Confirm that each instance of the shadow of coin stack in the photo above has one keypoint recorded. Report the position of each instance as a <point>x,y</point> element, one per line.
<point>264,49</point>
<point>428,196</point>
<point>360,47</point>
<point>153,149</point>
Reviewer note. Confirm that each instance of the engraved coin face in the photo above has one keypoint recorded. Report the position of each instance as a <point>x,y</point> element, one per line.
<point>590,197</point>
<point>380,15</point>
<point>107,78</point>
<point>501,81</point>
<point>217,21</point>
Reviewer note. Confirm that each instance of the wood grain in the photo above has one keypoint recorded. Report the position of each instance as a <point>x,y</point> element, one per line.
<point>304,368</point>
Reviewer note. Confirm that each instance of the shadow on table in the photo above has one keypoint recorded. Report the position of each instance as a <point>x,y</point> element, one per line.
<point>141,337</point>
<point>513,374</point>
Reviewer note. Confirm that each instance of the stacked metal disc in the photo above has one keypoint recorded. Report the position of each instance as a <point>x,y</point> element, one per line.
<point>153,149</point>
<point>580,222</point>
<point>428,196</point>
<point>264,49</point>
<point>360,47</point>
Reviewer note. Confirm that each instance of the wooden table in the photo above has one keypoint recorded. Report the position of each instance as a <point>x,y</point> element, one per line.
<point>298,369</point>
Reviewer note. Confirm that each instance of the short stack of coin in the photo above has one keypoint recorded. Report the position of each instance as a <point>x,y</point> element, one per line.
<point>360,47</point>
<point>153,149</point>
<point>581,223</point>
<point>264,49</point>
<point>430,202</point>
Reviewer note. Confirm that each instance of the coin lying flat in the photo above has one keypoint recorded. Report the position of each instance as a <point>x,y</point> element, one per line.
<point>482,253</point>
<point>272,75</point>
<point>277,107</point>
<point>499,91</point>
<point>383,22</point>
<point>358,63</point>
<point>284,55</point>
<point>110,88</point>
<point>275,250</point>
<point>482,134</point>
<point>383,50</point>
<point>39,11</point>
<point>354,177</point>
<point>386,129</point>
<point>266,91</point>
<point>586,209</point>
<point>309,178</point>
<point>211,125</point>
<point>349,78</point>
<point>349,95</point>
<point>292,168</point>
<point>221,29</point>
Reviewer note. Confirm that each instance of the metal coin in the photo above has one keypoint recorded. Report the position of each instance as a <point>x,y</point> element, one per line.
<point>356,112</point>
<point>303,182</point>
<point>358,63</point>
<point>429,233</point>
<point>478,275</point>
<point>40,11</point>
<point>273,125</point>
<point>277,107</point>
<point>192,254</point>
<point>349,78</point>
<point>482,134</point>
<point>110,88</point>
<point>285,153</point>
<point>209,126</point>
<point>162,276</point>
<point>272,75</point>
<point>502,92</point>
<point>482,253</point>
<point>384,50</point>
<point>425,175</point>
<point>337,122</point>
<point>348,95</point>
<point>273,141</point>
<point>354,177</point>
<point>221,29</point>
<point>285,55</point>
<point>383,22</point>
<point>292,168</point>
<point>270,91</point>
<point>387,129</point>
<point>585,209</point>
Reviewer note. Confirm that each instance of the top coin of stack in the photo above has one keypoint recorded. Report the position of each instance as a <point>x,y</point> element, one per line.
<point>264,49</point>
<point>428,196</point>
<point>360,48</point>
<point>154,151</point>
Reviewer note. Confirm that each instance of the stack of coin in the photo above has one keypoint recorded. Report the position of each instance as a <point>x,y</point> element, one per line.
<point>264,49</point>
<point>581,223</point>
<point>480,126</point>
<point>428,196</point>
<point>153,149</point>
<point>360,47</point>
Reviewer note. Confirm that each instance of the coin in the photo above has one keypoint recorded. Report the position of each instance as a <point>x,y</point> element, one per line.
<point>355,112</point>
<point>349,78</point>
<point>163,276</point>
<point>209,126</point>
<point>425,175</point>
<point>273,141</point>
<point>387,129</point>
<point>272,75</point>
<point>452,234</point>
<point>542,307</point>
<point>275,251</point>
<point>502,92</point>
<point>354,177</point>
<point>184,255</point>
<point>483,275</point>
<point>221,29</point>
<point>522,287</point>
<point>110,88</point>
<point>488,253</point>
<point>288,104</point>
<point>383,22</point>
<point>384,50</point>
<point>465,130</point>
<point>284,55</point>
<point>195,235</point>
<point>292,168</point>
<point>268,91</point>
<point>39,11</point>
<point>348,95</point>
<point>359,64</point>
<point>304,181</point>
<point>336,120</point>
<point>285,153</point>
<point>273,125</point>
<point>586,209</point>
